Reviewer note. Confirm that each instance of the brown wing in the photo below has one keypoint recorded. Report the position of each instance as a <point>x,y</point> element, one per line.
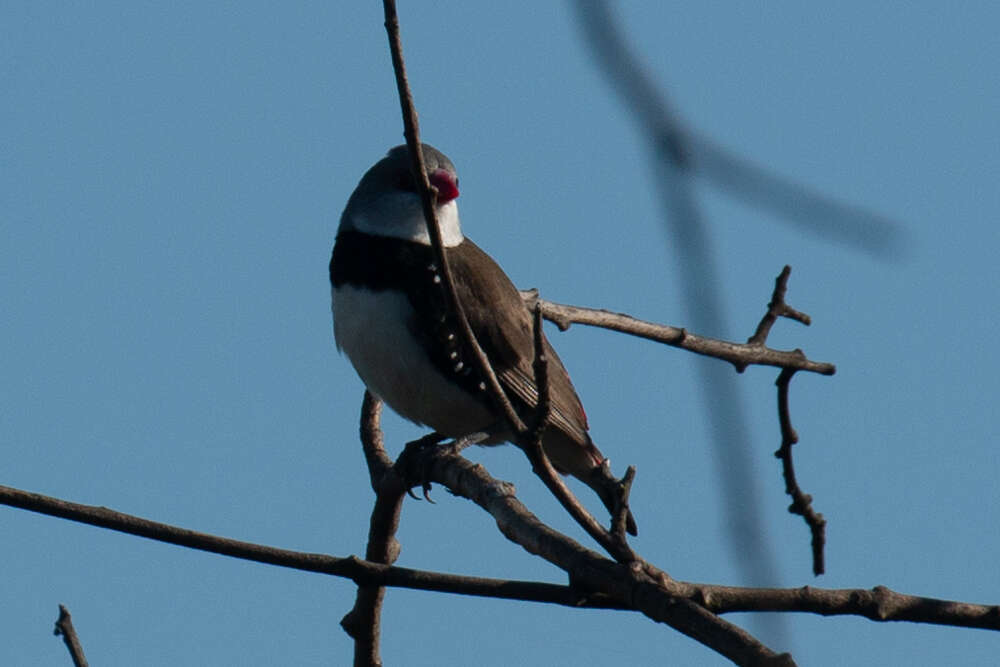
<point>485,292</point>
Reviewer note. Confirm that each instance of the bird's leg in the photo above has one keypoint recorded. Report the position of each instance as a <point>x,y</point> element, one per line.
<point>456,446</point>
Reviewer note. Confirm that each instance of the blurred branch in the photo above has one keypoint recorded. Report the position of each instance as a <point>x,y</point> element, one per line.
<point>64,627</point>
<point>810,211</point>
<point>697,280</point>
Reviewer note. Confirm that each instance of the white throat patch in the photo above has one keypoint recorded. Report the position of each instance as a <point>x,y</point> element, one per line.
<point>396,216</point>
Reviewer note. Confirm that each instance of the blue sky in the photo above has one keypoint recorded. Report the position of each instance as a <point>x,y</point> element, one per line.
<point>171,178</point>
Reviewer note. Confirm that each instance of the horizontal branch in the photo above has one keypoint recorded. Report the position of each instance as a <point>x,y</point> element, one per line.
<point>360,571</point>
<point>877,604</point>
<point>740,355</point>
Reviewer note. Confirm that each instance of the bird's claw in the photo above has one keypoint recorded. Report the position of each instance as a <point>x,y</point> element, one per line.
<point>425,448</point>
<point>418,449</point>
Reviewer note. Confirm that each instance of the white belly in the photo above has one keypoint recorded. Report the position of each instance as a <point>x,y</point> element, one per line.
<point>370,327</point>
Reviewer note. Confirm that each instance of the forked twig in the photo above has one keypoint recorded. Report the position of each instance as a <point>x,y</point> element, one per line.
<point>801,502</point>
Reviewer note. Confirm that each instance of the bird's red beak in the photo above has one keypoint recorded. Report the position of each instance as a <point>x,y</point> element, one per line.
<point>447,187</point>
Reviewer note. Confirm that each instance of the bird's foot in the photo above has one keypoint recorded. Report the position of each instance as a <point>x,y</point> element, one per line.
<point>416,456</point>
<point>456,446</point>
<point>423,451</point>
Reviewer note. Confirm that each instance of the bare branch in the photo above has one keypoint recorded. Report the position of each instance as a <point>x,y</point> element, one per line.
<point>879,604</point>
<point>64,627</point>
<point>740,355</point>
<point>810,211</point>
<point>801,502</point>
<point>372,443</point>
<point>777,308</point>
<point>364,622</point>
<point>636,582</point>
<point>619,520</point>
<point>876,604</point>
<point>531,444</point>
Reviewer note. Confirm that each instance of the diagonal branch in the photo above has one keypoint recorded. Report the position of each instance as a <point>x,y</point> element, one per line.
<point>522,434</point>
<point>640,585</point>
<point>411,130</point>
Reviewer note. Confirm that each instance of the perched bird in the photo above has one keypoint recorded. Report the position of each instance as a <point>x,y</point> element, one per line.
<point>391,318</point>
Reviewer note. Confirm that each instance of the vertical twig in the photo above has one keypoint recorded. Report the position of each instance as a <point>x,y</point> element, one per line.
<point>801,502</point>
<point>364,622</point>
<point>64,627</point>
<point>531,444</point>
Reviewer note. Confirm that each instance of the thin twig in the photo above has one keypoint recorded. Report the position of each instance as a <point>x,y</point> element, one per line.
<point>777,308</point>
<point>541,466</point>
<point>522,435</point>
<point>540,367</point>
<point>741,355</point>
<point>619,519</point>
<point>801,502</point>
<point>64,627</point>
<point>531,443</point>
<point>412,133</point>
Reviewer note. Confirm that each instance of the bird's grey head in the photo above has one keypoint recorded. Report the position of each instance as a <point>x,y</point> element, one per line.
<point>386,202</point>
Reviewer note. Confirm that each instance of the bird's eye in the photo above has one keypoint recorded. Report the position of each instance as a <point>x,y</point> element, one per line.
<point>404,181</point>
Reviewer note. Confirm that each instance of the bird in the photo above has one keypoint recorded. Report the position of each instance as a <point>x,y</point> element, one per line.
<point>392,321</point>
